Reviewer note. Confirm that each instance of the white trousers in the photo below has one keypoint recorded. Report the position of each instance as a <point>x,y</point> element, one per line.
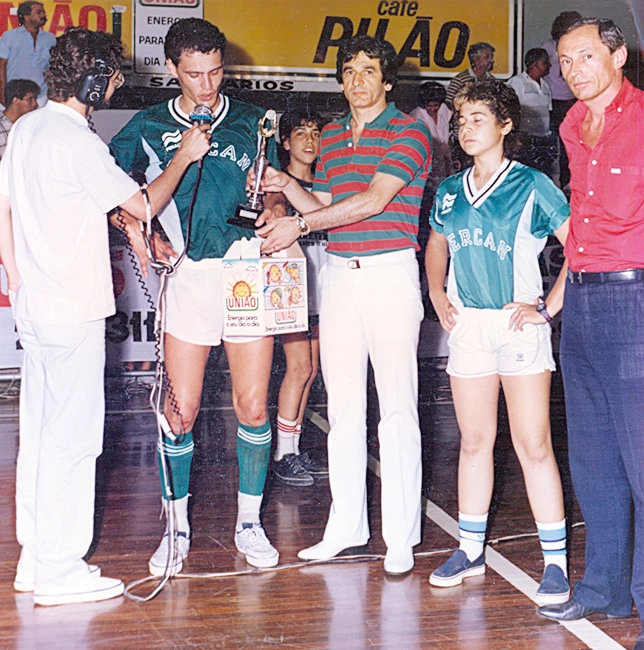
<point>372,312</point>
<point>62,409</point>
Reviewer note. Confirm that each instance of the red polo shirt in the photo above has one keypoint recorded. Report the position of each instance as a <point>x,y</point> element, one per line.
<point>607,187</point>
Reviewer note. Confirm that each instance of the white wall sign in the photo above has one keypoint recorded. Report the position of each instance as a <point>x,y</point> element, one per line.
<point>152,19</point>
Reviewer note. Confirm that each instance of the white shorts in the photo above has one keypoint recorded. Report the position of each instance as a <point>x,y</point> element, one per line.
<point>481,344</point>
<point>194,304</point>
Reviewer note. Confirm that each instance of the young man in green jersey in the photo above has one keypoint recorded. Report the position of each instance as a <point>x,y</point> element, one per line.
<point>195,51</point>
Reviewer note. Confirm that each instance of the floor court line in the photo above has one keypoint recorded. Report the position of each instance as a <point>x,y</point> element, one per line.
<point>584,630</point>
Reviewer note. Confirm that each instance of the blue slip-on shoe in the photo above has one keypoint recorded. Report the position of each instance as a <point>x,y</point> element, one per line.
<point>456,569</point>
<point>554,588</point>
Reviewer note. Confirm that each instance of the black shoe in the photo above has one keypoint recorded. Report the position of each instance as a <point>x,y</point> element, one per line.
<point>289,470</point>
<point>639,642</point>
<point>312,466</point>
<point>571,610</point>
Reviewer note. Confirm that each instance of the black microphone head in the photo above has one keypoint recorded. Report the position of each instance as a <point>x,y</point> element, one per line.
<point>201,113</point>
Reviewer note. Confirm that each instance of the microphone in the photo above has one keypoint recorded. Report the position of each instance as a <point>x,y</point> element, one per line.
<point>201,114</point>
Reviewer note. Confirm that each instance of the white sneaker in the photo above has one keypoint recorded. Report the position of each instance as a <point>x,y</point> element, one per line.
<point>24,584</point>
<point>159,561</point>
<point>251,540</point>
<point>91,588</point>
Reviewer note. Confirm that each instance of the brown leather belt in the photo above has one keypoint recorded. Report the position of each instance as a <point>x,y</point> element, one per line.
<point>581,277</point>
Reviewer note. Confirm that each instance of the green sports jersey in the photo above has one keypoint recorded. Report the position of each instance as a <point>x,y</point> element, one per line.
<point>496,234</point>
<point>148,142</point>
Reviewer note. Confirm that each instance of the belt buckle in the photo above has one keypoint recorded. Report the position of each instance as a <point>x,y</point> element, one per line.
<point>579,274</point>
<point>353,264</point>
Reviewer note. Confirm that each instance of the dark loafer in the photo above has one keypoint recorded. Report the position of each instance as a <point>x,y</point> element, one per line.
<point>571,610</point>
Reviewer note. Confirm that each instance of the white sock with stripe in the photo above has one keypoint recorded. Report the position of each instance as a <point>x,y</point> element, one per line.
<point>472,534</point>
<point>553,544</point>
<point>286,430</point>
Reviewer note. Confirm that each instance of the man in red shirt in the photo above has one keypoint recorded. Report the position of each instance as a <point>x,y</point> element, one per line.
<point>602,347</point>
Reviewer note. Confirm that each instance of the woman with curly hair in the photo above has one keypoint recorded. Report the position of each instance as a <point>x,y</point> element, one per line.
<point>493,220</point>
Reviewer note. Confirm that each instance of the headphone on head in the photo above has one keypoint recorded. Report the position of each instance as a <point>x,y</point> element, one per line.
<point>92,85</point>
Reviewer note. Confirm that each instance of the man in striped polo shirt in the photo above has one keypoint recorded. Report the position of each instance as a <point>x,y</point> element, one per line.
<point>367,192</point>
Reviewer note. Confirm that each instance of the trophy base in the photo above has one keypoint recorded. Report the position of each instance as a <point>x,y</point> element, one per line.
<point>245,217</point>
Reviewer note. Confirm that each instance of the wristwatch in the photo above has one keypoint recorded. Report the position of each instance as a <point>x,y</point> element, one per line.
<point>543,311</point>
<point>304,227</point>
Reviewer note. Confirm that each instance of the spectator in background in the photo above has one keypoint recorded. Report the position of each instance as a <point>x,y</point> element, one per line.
<point>538,146</point>
<point>481,56</point>
<point>300,135</point>
<point>24,52</point>
<point>20,96</point>
<point>433,111</point>
<point>562,96</point>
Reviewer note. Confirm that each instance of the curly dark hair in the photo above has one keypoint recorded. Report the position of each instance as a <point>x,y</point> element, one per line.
<point>300,116</point>
<point>75,53</point>
<point>193,35</point>
<point>502,102</point>
<point>374,48</point>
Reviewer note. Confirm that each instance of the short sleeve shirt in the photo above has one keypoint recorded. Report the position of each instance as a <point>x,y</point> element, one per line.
<point>394,143</point>
<point>536,104</point>
<point>23,61</point>
<point>148,143</point>
<point>496,234</point>
<point>62,181</point>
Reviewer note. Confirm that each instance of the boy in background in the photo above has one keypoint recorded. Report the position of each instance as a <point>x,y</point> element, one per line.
<point>300,135</point>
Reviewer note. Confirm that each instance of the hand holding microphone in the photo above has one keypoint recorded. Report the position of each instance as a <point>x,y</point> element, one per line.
<point>195,142</point>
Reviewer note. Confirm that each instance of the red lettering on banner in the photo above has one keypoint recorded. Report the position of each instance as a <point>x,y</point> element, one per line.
<point>61,19</point>
<point>7,19</point>
<point>101,17</point>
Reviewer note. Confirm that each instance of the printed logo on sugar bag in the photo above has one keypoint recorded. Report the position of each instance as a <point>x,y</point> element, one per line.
<point>242,294</point>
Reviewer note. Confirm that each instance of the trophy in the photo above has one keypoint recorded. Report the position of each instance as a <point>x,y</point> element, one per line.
<point>247,214</point>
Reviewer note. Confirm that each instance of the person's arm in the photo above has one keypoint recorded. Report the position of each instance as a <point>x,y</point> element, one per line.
<point>132,228</point>
<point>278,182</point>
<point>274,208</point>
<point>436,258</point>
<point>525,313</point>
<point>282,233</point>
<point>3,78</point>
<point>7,253</point>
<point>195,144</point>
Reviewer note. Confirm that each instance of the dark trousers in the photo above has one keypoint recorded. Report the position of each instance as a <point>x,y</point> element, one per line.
<point>559,109</point>
<point>602,359</point>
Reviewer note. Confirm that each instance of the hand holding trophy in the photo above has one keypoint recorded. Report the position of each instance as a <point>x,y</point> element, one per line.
<point>247,214</point>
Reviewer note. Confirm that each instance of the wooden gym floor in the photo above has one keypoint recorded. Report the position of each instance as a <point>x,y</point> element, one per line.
<point>344,605</point>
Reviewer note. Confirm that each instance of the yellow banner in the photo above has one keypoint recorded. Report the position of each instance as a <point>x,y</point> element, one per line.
<point>292,44</point>
<point>302,37</point>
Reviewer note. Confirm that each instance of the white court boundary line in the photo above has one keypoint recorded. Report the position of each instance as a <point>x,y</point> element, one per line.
<point>584,630</point>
